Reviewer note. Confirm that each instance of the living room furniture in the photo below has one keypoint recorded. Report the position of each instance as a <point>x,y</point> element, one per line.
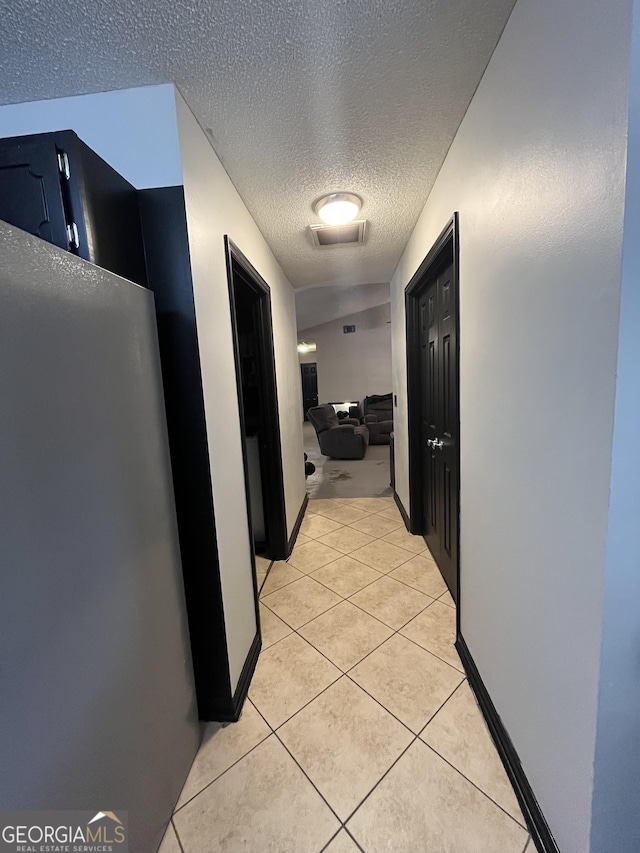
<point>345,439</point>
<point>376,413</point>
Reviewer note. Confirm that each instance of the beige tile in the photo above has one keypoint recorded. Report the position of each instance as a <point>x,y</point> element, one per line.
<point>317,507</point>
<point>422,574</point>
<point>342,843</point>
<point>312,555</point>
<point>221,747</point>
<point>280,575</point>
<point>346,576</point>
<point>344,742</point>
<point>345,634</point>
<point>262,564</point>
<point>408,681</point>
<point>301,539</point>
<point>382,556</point>
<point>530,848</point>
<point>346,540</point>
<point>301,601</point>
<point>403,539</point>
<point>431,807</point>
<point>265,803</point>
<point>170,842</point>
<point>317,525</point>
<point>371,504</point>
<point>376,525</point>
<point>435,630</point>
<point>391,602</point>
<point>273,628</point>
<point>345,514</point>
<point>289,674</point>
<point>459,734</point>
<point>391,512</point>
<point>447,599</point>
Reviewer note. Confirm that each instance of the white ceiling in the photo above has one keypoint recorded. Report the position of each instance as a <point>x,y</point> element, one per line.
<point>300,98</point>
<point>317,305</point>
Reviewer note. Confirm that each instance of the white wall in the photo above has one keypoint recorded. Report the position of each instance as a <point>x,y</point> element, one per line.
<point>356,365</point>
<point>214,209</point>
<point>537,172</point>
<point>134,130</point>
<point>616,818</point>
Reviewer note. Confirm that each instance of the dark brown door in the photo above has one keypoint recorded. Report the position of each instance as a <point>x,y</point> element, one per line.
<point>439,422</point>
<point>309,387</point>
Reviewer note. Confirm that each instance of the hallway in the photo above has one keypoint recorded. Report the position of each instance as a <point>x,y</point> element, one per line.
<point>360,731</point>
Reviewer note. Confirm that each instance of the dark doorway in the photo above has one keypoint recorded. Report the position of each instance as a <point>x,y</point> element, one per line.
<point>250,299</point>
<point>433,402</point>
<point>309,387</point>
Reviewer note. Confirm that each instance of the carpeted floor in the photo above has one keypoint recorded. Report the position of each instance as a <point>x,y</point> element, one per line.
<point>347,478</point>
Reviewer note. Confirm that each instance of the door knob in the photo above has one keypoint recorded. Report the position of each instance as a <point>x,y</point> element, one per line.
<point>437,445</point>
<point>430,443</point>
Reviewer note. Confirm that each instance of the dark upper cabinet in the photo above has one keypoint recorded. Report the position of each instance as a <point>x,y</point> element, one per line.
<point>54,186</point>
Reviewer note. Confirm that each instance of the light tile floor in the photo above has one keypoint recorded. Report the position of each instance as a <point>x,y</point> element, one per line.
<point>360,732</point>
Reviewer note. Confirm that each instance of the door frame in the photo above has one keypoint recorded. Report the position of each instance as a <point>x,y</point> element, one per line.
<point>274,509</point>
<point>445,250</point>
<point>302,367</point>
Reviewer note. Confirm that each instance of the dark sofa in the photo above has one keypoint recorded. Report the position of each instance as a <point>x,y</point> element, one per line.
<point>340,439</point>
<point>376,412</point>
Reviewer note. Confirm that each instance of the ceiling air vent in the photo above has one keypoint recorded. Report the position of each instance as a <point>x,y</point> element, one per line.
<point>338,235</point>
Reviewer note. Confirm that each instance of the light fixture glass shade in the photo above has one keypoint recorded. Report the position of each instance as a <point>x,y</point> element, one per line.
<point>338,208</point>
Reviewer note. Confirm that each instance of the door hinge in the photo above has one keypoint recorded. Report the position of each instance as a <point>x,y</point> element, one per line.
<point>63,165</point>
<point>73,237</point>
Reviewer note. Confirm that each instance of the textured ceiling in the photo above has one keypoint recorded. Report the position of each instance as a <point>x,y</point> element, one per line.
<point>300,98</point>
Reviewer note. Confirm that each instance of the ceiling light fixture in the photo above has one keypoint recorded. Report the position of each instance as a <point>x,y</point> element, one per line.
<point>338,208</point>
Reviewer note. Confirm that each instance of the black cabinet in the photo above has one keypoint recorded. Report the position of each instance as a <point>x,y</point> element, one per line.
<point>54,186</point>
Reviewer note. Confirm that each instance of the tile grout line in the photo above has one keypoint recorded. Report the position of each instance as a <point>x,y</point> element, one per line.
<point>387,574</point>
<point>471,782</point>
<point>175,832</point>
<point>460,671</point>
<point>311,782</point>
<point>351,554</point>
<point>355,604</point>
<point>353,838</point>
<point>264,579</point>
<point>389,769</point>
<point>226,770</point>
<point>310,575</point>
<point>345,673</point>
<point>372,536</point>
<point>415,738</point>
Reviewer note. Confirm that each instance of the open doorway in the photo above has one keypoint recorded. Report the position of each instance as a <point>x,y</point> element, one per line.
<point>309,374</point>
<point>250,299</point>
<point>433,403</point>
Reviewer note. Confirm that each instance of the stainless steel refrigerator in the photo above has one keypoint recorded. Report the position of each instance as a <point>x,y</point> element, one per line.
<point>97,704</point>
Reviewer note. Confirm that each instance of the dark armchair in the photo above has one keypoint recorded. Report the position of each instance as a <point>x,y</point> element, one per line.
<point>376,413</point>
<point>345,439</point>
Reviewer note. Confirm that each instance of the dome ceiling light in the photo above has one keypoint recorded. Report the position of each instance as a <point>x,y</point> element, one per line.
<point>338,208</point>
